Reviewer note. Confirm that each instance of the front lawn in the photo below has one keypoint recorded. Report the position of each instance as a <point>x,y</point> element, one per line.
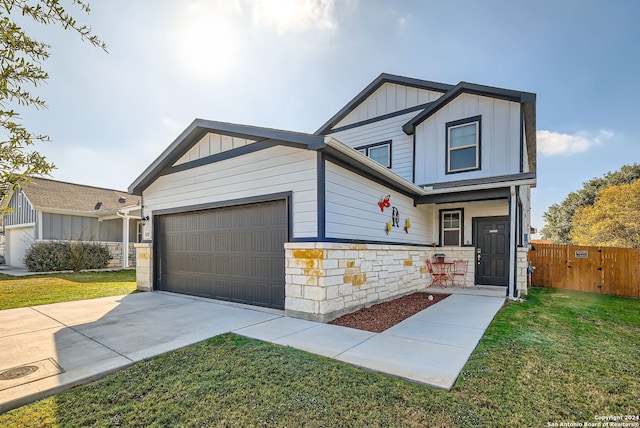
<point>561,357</point>
<point>18,292</point>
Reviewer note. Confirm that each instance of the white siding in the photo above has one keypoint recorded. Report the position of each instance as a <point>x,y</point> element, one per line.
<point>500,139</point>
<point>471,210</point>
<point>212,144</point>
<point>389,98</point>
<point>352,210</point>
<point>274,170</point>
<point>384,130</point>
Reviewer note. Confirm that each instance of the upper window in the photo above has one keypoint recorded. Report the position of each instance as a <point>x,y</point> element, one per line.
<point>463,145</point>
<point>379,152</point>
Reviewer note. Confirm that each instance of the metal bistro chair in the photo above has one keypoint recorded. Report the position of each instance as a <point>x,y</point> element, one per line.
<point>460,271</point>
<point>438,278</point>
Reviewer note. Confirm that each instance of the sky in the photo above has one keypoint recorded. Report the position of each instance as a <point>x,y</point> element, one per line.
<point>292,64</point>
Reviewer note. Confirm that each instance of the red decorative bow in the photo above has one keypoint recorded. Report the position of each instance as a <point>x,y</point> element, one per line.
<point>384,203</point>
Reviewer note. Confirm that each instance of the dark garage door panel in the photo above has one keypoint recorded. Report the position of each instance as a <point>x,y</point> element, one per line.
<point>232,253</point>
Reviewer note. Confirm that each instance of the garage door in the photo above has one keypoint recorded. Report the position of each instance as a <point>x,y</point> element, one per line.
<point>231,253</point>
<point>18,241</point>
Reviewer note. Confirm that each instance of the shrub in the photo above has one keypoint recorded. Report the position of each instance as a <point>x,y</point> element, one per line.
<point>56,256</point>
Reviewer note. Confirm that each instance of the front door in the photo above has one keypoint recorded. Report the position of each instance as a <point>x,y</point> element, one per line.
<point>492,250</point>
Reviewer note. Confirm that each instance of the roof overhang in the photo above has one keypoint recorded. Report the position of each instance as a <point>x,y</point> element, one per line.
<point>372,87</point>
<point>365,164</point>
<point>526,99</point>
<point>199,128</point>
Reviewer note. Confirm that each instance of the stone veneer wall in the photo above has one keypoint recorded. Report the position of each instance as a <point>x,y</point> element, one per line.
<point>521,271</point>
<point>144,266</point>
<point>327,280</point>
<point>115,249</point>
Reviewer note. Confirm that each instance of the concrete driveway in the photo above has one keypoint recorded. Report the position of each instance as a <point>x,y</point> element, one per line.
<point>51,348</point>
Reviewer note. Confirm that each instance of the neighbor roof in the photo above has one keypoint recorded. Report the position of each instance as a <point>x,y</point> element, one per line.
<point>45,194</point>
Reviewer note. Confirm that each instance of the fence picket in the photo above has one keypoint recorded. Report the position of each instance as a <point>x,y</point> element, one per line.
<point>604,270</point>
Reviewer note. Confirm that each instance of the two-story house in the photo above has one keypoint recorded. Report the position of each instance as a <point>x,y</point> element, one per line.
<point>323,224</point>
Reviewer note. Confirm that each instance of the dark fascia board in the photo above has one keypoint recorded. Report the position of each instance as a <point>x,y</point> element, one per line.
<point>530,133</point>
<point>478,181</point>
<point>363,170</point>
<point>526,99</point>
<point>467,88</point>
<point>372,87</point>
<point>469,196</point>
<point>199,128</point>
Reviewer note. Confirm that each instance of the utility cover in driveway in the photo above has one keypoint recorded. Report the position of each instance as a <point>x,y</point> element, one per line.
<point>232,253</point>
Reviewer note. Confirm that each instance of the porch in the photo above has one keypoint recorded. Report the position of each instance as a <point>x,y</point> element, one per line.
<point>324,280</point>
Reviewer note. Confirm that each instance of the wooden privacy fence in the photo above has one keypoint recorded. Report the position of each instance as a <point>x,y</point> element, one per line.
<point>603,270</point>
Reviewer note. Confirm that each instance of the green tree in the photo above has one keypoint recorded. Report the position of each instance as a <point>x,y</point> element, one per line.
<point>559,217</point>
<point>612,221</point>
<point>21,70</point>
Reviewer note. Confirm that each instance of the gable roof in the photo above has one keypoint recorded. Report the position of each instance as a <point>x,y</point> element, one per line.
<point>468,88</point>
<point>51,195</point>
<point>200,127</point>
<point>527,99</point>
<point>372,87</point>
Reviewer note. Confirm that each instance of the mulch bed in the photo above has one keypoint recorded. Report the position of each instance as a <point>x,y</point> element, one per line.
<point>382,316</point>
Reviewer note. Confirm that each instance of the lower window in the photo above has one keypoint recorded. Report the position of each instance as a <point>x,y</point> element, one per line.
<point>451,227</point>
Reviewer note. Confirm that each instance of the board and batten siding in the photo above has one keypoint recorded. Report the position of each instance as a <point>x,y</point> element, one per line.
<point>274,170</point>
<point>22,211</point>
<point>385,130</point>
<point>389,98</point>
<point>352,210</point>
<point>499,146</point>
<point>494,208</point>
<point>77,228</point>
<point>212,144</point>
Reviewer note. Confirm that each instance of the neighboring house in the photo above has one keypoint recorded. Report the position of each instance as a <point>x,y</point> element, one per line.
<point>322,224</point>
<point>45,210</point>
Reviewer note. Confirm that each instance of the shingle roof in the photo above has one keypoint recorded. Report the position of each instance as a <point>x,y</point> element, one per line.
<point>57,195</point>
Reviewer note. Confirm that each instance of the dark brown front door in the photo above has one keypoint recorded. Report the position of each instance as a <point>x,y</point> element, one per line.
<point>492,250</point>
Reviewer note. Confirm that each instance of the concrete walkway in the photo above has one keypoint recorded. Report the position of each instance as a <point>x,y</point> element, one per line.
<point>51,348</point>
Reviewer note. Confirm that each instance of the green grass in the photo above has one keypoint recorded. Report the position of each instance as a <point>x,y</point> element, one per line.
<point>560,357</point>
<point>18,292</point>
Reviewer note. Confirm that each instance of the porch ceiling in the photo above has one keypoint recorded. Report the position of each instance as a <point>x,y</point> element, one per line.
<point>469,196</point>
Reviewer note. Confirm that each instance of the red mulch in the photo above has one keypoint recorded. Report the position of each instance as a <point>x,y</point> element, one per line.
<point>382,316</point>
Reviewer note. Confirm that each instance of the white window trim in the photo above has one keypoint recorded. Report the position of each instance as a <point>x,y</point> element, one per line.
<point>476,145</point>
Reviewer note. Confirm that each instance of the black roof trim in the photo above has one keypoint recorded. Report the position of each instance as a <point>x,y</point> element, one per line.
<point>372,87</point>
<point>467,88</point>
<point>479,181</point>
<point>475,195</point>
<point>199,128</point>
<point>380,118</point>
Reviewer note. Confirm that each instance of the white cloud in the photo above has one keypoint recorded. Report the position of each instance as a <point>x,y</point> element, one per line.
<point>554,143</point>
<point>294,15</point>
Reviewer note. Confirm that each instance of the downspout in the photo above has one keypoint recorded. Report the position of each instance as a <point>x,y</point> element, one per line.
<point>511,292</point>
